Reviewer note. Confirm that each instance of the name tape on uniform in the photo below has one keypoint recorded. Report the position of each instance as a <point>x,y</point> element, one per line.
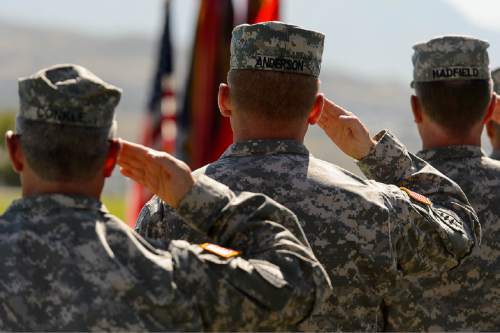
<point>455,72</point>
<point>279,63</point>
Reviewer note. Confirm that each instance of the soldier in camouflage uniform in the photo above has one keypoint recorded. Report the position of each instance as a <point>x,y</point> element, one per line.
<point>367,234</point>
<point>493,126</point>
<point>452,101</point>
<point>69,265</point>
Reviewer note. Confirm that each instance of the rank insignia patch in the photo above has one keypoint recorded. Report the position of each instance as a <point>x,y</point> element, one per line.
<point>219,250</point>
<point>416,196</point>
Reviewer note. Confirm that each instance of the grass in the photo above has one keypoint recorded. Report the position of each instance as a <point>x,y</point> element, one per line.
<point>115,204</point>
<point>6,197</point>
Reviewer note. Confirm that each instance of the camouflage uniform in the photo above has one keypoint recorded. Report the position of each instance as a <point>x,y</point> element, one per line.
<point>365,233</point>
<point>68,265</point>
<point>466,298</point>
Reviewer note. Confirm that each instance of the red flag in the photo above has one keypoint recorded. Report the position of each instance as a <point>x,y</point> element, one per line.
<point>263,10</point>
<point>207,133</point>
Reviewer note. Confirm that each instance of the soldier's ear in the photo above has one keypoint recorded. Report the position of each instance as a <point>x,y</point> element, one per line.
<point>111,158</point>
<point>493,112</point>
<point>15,153</point>
<point>416,108</point>
<point>224,100</point>
<point>316,110</point>
<point>490,130</point>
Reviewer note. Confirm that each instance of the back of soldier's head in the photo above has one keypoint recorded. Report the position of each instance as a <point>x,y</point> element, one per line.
<point>274,69</point>
<point>452,81</point>
<point>65,121</point>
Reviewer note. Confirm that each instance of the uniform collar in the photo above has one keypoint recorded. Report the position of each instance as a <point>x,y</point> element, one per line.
<point>56,199</point>
<point>265,147</point>
<point>451,152</point>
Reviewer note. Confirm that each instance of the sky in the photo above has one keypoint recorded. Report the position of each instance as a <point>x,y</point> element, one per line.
<point>144,17</point>
<point>485,13</point>
<point>108,17</point>
<point>111,17</point>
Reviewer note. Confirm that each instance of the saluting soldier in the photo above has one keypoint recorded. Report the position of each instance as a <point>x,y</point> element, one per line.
<point>452,102</point>
<point>69,265</point>
<point>366,233</point>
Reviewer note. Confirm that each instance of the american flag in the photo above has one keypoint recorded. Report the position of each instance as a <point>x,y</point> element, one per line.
<point>160,123</point>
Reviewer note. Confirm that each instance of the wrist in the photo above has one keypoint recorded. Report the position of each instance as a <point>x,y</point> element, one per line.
<point>368,149</point>
<point>184,189</point>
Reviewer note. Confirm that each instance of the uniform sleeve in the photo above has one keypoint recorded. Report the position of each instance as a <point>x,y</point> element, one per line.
<point>148,222</point>
<point>432,235</point>
<point>274,284</point>
<point>160,222</point>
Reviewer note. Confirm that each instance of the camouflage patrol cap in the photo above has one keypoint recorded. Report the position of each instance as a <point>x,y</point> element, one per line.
<point>67,95</point>
<point>495,75</point>
<point>276,46</point>
<point>450,58</point>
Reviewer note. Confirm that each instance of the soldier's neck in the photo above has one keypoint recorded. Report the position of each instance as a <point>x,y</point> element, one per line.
<point>32,185</point>
<point>436,137</point>
<point>251,129</point>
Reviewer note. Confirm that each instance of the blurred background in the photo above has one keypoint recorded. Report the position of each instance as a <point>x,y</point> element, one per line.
<point>366,64</point>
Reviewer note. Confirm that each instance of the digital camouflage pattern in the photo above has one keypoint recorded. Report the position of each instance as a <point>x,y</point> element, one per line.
<point>466,298</point>
<point>367,234</point>
<point>276,46</point>
<point>450,58</point>
<point>68,265</point>
<point>67,95</point>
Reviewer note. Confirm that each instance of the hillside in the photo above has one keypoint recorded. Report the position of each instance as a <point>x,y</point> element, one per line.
<point>125,62</point>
